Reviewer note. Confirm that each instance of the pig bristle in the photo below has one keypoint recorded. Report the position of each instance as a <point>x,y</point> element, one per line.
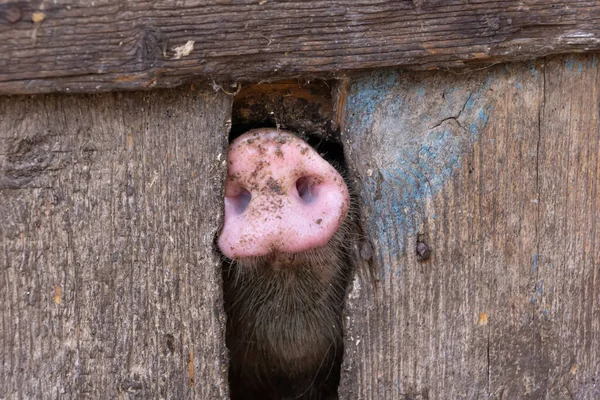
<point>269,309</point>
<point>284,314</point>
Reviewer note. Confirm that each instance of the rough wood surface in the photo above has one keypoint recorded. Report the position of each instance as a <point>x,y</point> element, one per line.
<point>497,173</point>
<point>110,285</point>
<point>104,45</point>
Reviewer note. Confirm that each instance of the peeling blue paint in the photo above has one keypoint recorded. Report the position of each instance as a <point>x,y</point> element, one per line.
<point>469,103</point>
<point>421,93</point>
<point>484,115</point>
<point>476,126</point>
<point>400,186</point>
<point>366,96</point>
<point>533,70</point>
<point>473,128</point>
<point>519,85</point>
<point>571,63</point>
<point>450,95</point>
<point>421,175</point>
<point>535,262</point>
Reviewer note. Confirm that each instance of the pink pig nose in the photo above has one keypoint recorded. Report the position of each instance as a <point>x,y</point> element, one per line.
<point>280,196</point>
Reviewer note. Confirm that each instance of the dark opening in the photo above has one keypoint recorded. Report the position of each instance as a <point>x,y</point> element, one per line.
<point>302,107</point>
<point>305,109</point>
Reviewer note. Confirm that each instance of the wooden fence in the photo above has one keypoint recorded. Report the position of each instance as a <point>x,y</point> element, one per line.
<point>110,202</point>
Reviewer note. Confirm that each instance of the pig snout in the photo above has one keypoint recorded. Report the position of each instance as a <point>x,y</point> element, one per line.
<point>280,196</point>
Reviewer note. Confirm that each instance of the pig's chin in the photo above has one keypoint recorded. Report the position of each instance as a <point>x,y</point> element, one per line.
<point>278,260</point>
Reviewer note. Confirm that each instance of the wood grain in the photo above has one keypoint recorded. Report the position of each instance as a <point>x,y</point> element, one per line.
<point>106,45</point>
<point>110,284</point>
<point>497,172</point>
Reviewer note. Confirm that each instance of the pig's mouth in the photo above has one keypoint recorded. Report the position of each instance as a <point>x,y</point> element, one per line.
<point>276,260</point>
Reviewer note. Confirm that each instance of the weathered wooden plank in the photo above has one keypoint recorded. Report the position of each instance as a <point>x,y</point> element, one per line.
<point>497,173</point>
<point>567,267</point>
<point>75,46</point>
<point>110,284</point>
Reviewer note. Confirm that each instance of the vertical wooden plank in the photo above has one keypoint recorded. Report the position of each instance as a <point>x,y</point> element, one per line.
<point>567,300</point>
<point>466,165</point>
<point>506,231</point>
<point>110,205</point>
<point>406,134</point>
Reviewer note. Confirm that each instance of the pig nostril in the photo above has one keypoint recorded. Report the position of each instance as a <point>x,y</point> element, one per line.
<point>305,188</point>
<point>240,201</point>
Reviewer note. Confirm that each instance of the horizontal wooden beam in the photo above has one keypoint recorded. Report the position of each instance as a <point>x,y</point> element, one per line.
<point>69,46</point>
